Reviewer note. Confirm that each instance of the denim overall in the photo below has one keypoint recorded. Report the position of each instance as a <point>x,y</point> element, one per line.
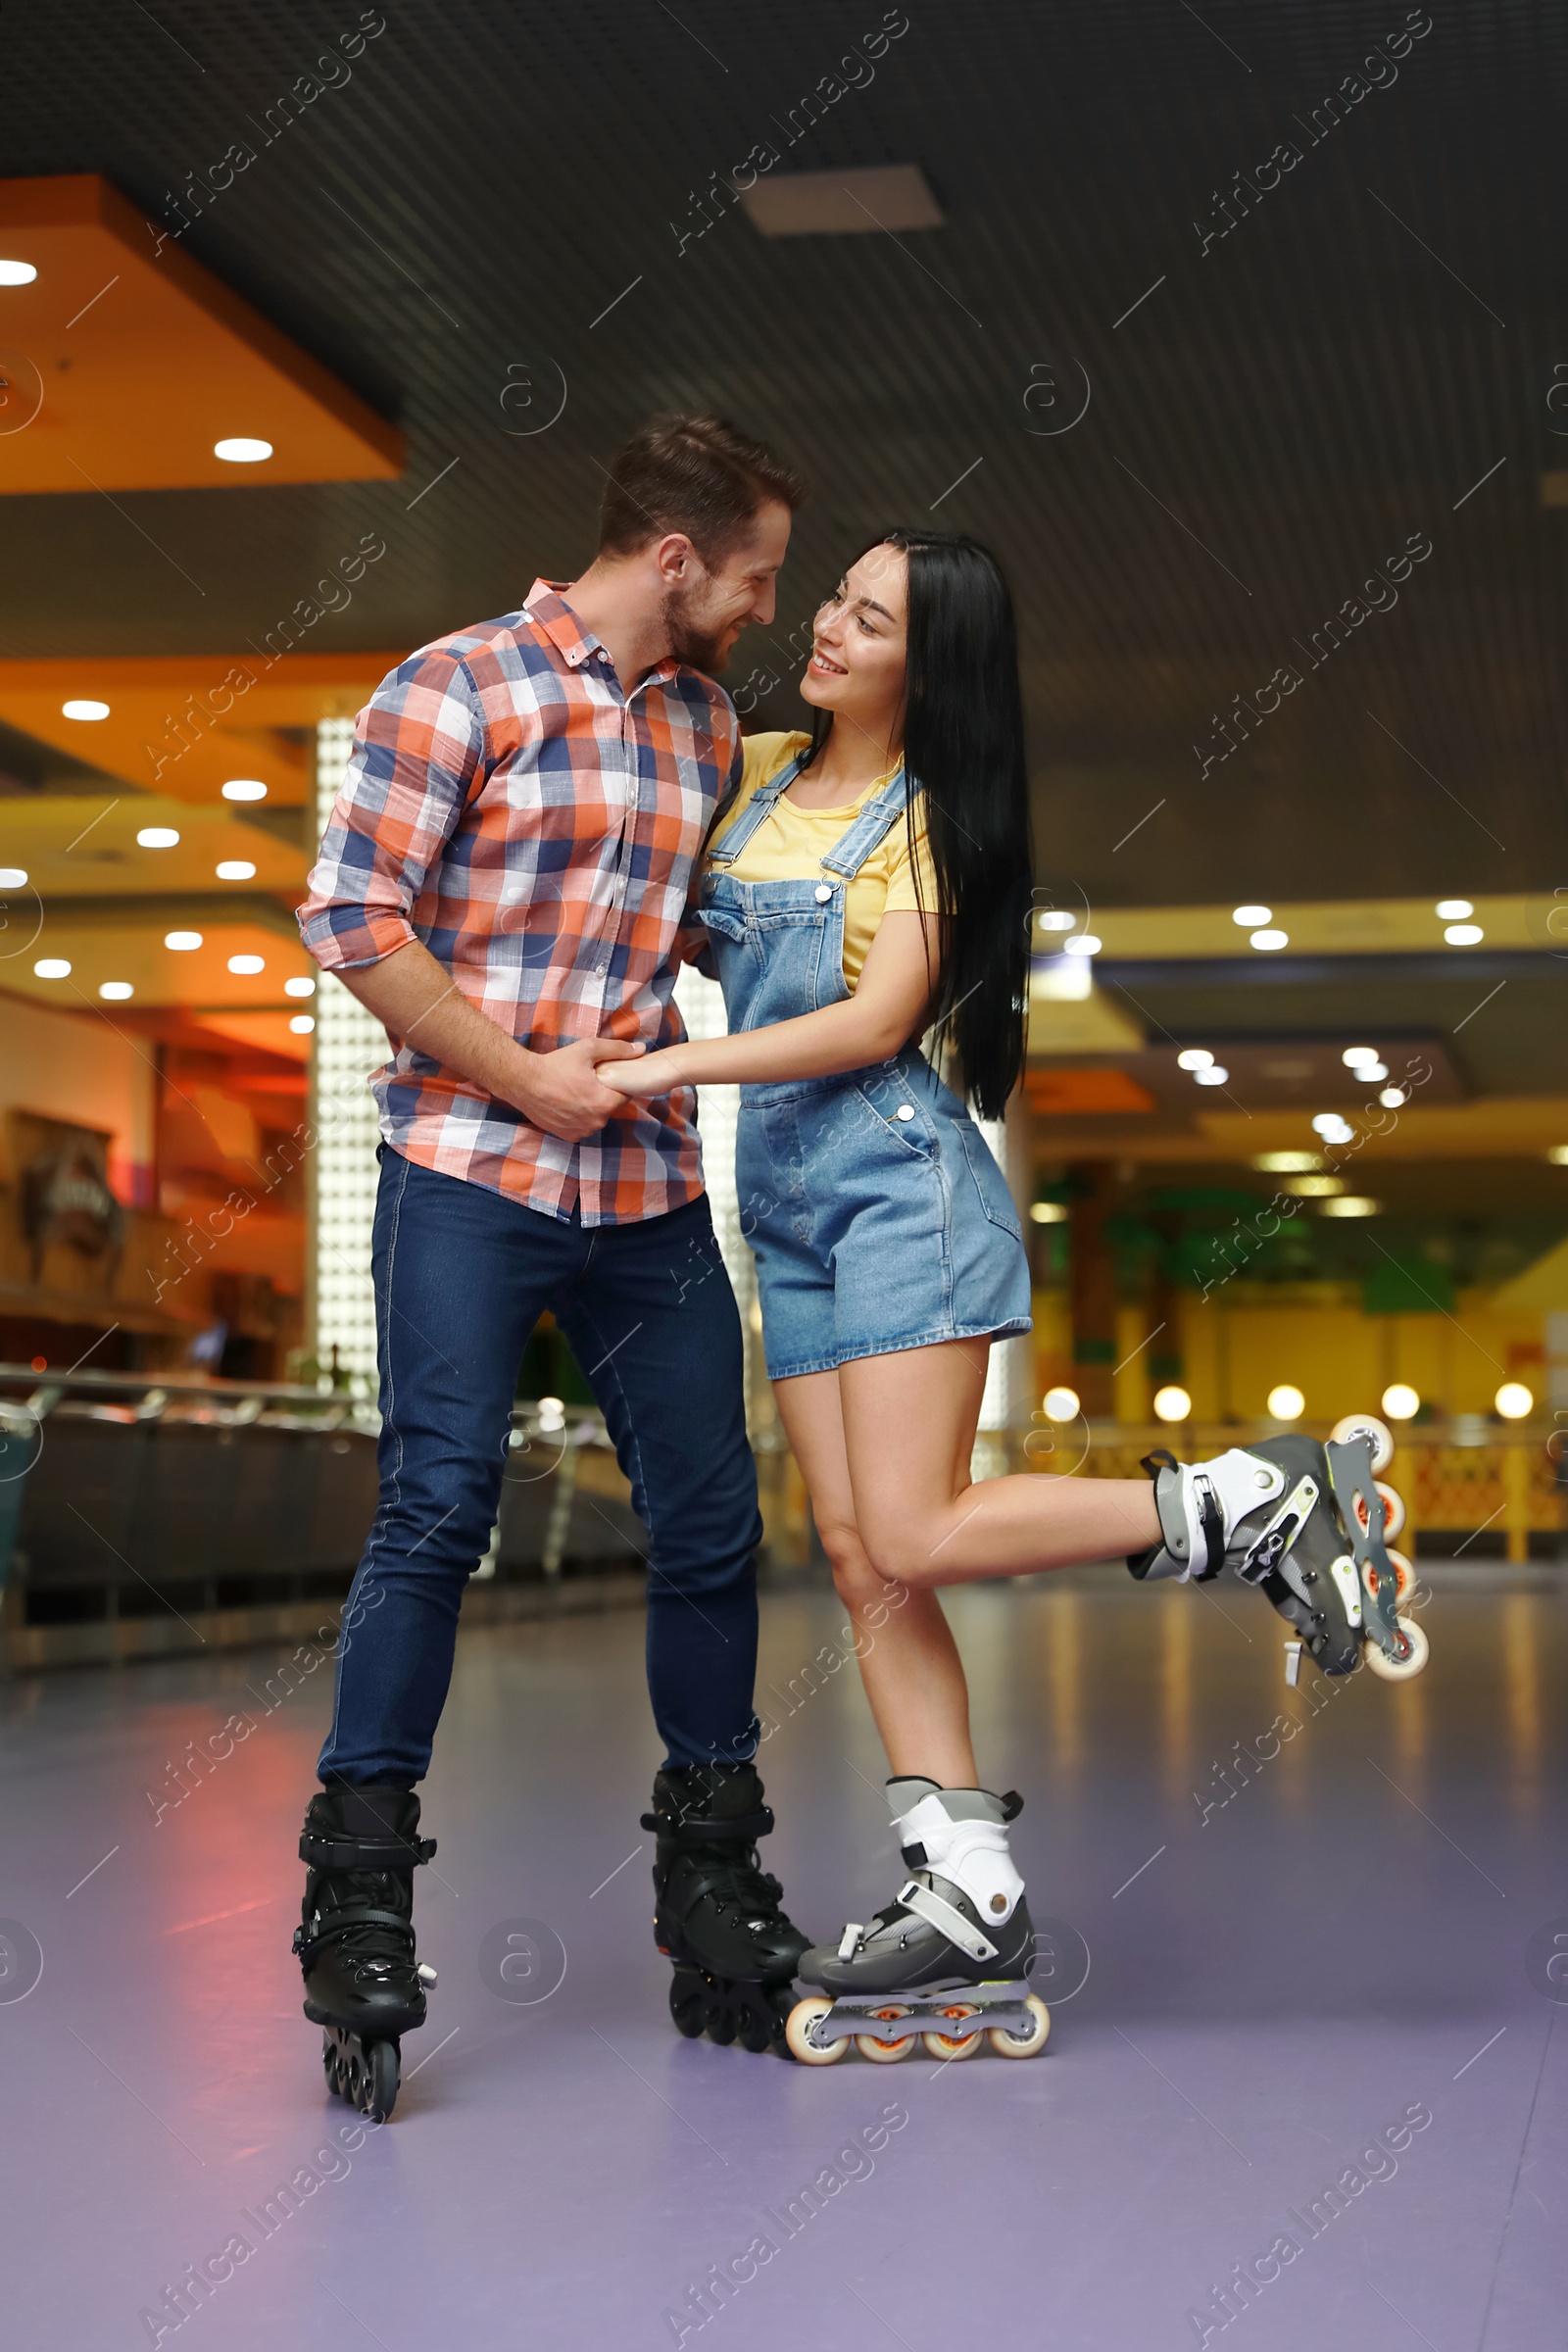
<point>878,1218</point>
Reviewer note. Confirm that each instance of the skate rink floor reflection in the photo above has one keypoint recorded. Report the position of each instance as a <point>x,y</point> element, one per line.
<point>1298,1945</point>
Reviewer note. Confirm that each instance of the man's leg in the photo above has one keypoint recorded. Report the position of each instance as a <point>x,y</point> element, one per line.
<point>461,1277</point>
<point>652,1320</point>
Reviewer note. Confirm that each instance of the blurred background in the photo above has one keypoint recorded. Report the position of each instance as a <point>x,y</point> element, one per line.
<point>317,330</point>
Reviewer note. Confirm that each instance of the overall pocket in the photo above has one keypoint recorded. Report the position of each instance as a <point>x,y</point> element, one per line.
<point>989,1182</point>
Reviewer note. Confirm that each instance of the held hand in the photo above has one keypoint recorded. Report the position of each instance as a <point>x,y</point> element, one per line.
<point>563,1093</point>
<point>656,1074</point>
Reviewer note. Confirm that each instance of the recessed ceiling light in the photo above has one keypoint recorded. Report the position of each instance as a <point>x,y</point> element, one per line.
<point>242,450</point>
<point>183,943</point>
<point>858,201</point>
<point>1332,1128</point>
<point>83,706</point>
<point>158,837</point>
<point>1084,942</point>
<point>1372,1073</point>
<point>1056,918</point>
<point>302,985</point>
<point>17,274</point>
<point>1360,1057</point>
<point>1214,1076</point>
<point>1464,935</point>
<point>246,964</point>
<point>1351,1204</point>
<point>1314,1187</point>
<point>13,877</point>
<point>117,991</point>
<point>302,1023</point>
<point>1279,1163</point>
<point>235,869</point>
<point>1267,941</point>
<point>1394,1097</point>
<point>1248,917</point>
<point>1452,911</point>
<point>244,787</point>
<point>1195,1057</point>
<point>52,968</point>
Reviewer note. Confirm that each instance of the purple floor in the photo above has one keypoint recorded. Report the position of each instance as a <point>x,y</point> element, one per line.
<point>1339,1957</point>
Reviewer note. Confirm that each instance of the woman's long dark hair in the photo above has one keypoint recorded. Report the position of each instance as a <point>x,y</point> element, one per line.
<point>963,745</point>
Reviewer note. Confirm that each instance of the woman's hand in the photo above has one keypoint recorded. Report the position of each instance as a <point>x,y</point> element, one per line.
<point>654,1074</point>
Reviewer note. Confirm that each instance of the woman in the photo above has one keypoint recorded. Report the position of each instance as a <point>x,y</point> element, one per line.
<point>868,883</point>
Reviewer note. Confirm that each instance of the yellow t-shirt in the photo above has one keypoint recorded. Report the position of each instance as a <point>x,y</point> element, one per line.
<point>790,845</point>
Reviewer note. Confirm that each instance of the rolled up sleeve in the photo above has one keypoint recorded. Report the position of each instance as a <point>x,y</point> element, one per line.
<point>420,749</point>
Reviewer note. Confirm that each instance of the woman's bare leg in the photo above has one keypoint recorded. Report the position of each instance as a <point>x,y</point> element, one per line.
<point>908,1661</point>
<point>918,1516</point>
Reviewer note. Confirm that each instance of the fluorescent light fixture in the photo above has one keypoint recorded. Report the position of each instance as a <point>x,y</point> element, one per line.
<point>158,837</point>
<point>1351,1205</point>
<point>1359,1058</point>
<point>861,202</point>
<point>235,869</point>
<point>13,877</point>
<point>1464,935</point>
<point>83,706</point>
<point>1215,1075</point>
<point>52,968</point>
<point>1056,918</point>
<point>244,967</point>
<point>1195,1057</point>
<point>1281,1163</point>
<point>116,991</point>
<point>1267,941</point>
<point>1062,979</point>
<point>183,943</point>
<point>244,787</point>
<point>301,985</point>
<point>242,450</point>
<point>1454,910</point>
<point>1084,942</point>
<point>1314,1187</point>
<point>1250,917</point>
<point>17,274</point>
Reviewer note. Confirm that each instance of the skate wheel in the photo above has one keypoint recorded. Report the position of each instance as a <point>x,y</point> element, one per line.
<point>718,2021</point>
<point>885,2054</point>
<point>1403,1578</point>
<point>797,2033</point>
<point>1392,1511</point>
<point>1009,2045</point>
<point>686,2005</point>
<point>379,2073</point>
<point>759,2027</point>
<point>951,2047</point>
<point>329,2066</point>
<point>1405,1669</point>
<point>1366,1425</point>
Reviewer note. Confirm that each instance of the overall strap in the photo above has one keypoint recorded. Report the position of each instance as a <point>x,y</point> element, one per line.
<point>856,844</point>
<point>758,810</point>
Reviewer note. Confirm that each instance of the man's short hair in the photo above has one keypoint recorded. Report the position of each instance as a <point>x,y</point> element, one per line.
<point>695,474</point>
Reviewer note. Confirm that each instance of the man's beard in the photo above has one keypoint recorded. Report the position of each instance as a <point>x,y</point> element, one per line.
<point>699,647</point>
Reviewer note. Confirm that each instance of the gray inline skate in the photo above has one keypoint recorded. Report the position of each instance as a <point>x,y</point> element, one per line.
<point>947,1962</point>
<point>1310,1524</point>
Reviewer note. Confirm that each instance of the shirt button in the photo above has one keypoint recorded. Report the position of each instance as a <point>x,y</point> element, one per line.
<point>823,894</point>
<point>906,1111</point>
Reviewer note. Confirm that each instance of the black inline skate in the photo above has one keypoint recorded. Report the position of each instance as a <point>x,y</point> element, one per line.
<point>355,1940</point>
<point>947,1962</point>
<point>717,1914</point>
<point>1310,1524</point>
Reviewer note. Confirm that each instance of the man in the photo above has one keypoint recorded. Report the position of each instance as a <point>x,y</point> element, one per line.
<point>503,883</point>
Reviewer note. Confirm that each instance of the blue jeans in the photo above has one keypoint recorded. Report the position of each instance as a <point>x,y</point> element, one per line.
<point>461,1277</point>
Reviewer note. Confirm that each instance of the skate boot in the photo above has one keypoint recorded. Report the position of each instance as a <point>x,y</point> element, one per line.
<point>355,1940</point>
<point>717,1914</point>
<point>1310,1524</point>
<point>946,1963</point>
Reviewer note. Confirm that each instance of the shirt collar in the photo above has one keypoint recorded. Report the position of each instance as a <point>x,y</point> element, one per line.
<point>546,606</point>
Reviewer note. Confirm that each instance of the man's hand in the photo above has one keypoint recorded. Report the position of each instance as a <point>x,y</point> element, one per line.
<point>562,1093</point>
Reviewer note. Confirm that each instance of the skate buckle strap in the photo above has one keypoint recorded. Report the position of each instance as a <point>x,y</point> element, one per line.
<point>851,1941</point>
<point>330,1928</point>
<point>702,1829</point>
<point>365,1853</point>
<point>1211,1525</point>
<point>928,1905</point>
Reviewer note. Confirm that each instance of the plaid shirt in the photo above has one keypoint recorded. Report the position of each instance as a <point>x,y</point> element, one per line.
<point>508,805</point>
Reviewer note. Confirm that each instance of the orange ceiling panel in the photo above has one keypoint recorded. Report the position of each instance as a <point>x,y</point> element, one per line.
<point>124,361</point>
<point>184,725</point>
<point>1058,1094</point>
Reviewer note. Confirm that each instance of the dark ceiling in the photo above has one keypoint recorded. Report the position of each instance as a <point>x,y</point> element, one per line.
<point>1273,421</point>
